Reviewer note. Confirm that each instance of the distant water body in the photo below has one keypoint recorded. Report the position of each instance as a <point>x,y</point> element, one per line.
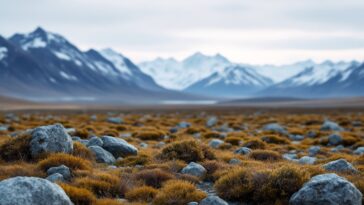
<point>183,102</point>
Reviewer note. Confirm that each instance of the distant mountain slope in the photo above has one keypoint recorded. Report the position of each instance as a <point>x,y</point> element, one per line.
<point>174,74</point>
<point>327,79</point>
<point>232,81</point>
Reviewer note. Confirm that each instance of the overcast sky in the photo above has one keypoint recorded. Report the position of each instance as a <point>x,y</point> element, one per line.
<point>256,31</point>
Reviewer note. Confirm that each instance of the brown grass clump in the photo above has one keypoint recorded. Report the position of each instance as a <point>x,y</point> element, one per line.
<point>80,150</point>
<point>72,162</point>
<point>153,177</point>
<point>79,196</point>
<point>140,159</point>
<point>19,169</point>
<point>178,192</point>
<point>188,151</point>
<point>212,135</point>
<point>255,144</point>
<point>15,149</point>
<point>109,186</point>
<point>274,139</point>
<point>233,140</point>
<point>141,194</point>
<point>235,185</point>
<point>265,155</point>
<point>149,135</point>
<point>106,201</point>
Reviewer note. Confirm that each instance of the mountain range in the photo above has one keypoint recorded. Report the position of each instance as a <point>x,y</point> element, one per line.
<point>45,66</point>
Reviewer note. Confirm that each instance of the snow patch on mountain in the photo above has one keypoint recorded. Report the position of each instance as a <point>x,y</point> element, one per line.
<point>62,56</point>
<point>68,76</point>
<point>3,52</point>
<point>117,59</point>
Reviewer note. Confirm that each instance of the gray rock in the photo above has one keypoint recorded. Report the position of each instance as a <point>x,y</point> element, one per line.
<point>225,128</point>
<point>213,200</point>
<point>192,203</point>
<point>327,189</point>
<point>311,134</point>
<point>314,150</point>
<point>173,130</point>
<point>160,144</point>
<point>307,160</point>
<point>215,143</point>
<point>3,128</point>
<point>337,148</point>
<point>296,137</point>
<point>340,165</point>
<point>101,155</point>
<point>184,124</point>
<point>93,117</point>
<point>75,138</point>
<point>194,169</point>
<point>31,191</point>
<point>243,151</point>
<point>211,121</point>
<point>290,156</point>
<point>115,120</point>
<point>62,169</point>
<point>275,127</point>
<point>118,147</point>
<point>359,151</point>
<point>330,126</point>
<point>50,139</point>
<point>95,141</point>
<point>143,145</point>
<point>55,177</point>
<point>234,161</point>
<point>125,135</point>
<point>335,139</point>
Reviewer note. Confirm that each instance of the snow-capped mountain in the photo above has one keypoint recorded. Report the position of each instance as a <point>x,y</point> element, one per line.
<point>42,64</point>
<point>178,75</point>
<point>327,79</point>
<point>232,81</point>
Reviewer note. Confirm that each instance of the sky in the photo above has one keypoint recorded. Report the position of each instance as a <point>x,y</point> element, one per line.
<point>256,31</point>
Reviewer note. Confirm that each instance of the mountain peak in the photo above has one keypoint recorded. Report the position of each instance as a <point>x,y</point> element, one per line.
<point>39,30</point>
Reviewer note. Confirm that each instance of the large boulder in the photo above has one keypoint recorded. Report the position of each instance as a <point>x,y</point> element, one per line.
<point>340,165</point>
<point>194,169</point>
<point>327,189</point>
<point>118,147</point>
<point>50,139</point>
<point>31,191</point>
<point>213,200</point>
<point>101,155</point>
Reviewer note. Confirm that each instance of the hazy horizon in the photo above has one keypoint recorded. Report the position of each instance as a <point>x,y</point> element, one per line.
<point>249,32</point>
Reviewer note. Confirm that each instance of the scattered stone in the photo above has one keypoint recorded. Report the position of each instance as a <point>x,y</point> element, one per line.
<point>54,178</point>
<point>243,151</point>
<point>31,191</point>
<point>335,139</point>
<point>359,151</point>
<point>173,130</point>
<point>213,200</point>
<point>160,144</point>
<point>211,121</point>
<point>225,128</point>
<point>194,169</point>
<point>115,120</point>
<point>307,160</point>
<point>290,156</point>
<point>184,125</point>
<point>340,165</point>
<point>327,189</point>
<point>143,145</point>
<point>62,169</point>
<point>311,134</point>
<point>330,126</point>
<point>234,161</point>
<point>3,128</point>
<point>95,141</point>
<point>118,147</point>
<point>297,137</point>
<point>101,155</point>
<point>193,203</point>
<point>275,127</point>
<point>75,138</point>
<point>314,150</point>
<point>197,135</point>
<point>215,143</point>
<point>93,117</point>
<point>125,135</point>
<point>50,139</point>
<point>357,123</point>
<point>337,148</point>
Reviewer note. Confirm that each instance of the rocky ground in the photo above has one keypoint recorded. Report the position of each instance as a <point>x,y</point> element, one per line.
<point>190,157</point>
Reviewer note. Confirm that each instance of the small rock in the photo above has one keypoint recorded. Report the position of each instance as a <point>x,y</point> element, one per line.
<point>311,134</point>
<point>184,125</point>
<point>234,161</point>
<point>243,151</point>
<point>215,143</point>
<point>192,203</point>
<point>118,147</point>
<point>314,150</point>
<point>115,120</point>
<point>54,178</point>
<point>93,117</point>
<point>3,128</point>
<point>290,156</point>
<point>359,151</point>
<point>335,139</point>
<point>160,144</point>
<point>194,169</point>
<point>101,155</point>
<point>330,126</point>
<point>95,141</point>
<point>337,148</point>
<point>173,130</point>
<point>50,139</point>
<point>75,138</point>
<point>62,169</point>
<point>327,189</point>
<point>143,145</point>
<point>211,121</point>
<point>275,127</point>
<point>213,200</point>
<point>31,191</point>
<point>296,137</point>
<point>340,165</point>
<point>125,135</point>
<point>307,160</point>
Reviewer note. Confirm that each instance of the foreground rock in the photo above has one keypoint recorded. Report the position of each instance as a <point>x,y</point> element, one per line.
<point>340,165</point>
<point>31,191</point>
<point>213,200</point>
<point>327,189</point>
<point>101,155</point>
<point>50,139</point>
<point>243,151</point>
<point>118,147</point>
<point>194,169</point>
<point>215,143</point>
